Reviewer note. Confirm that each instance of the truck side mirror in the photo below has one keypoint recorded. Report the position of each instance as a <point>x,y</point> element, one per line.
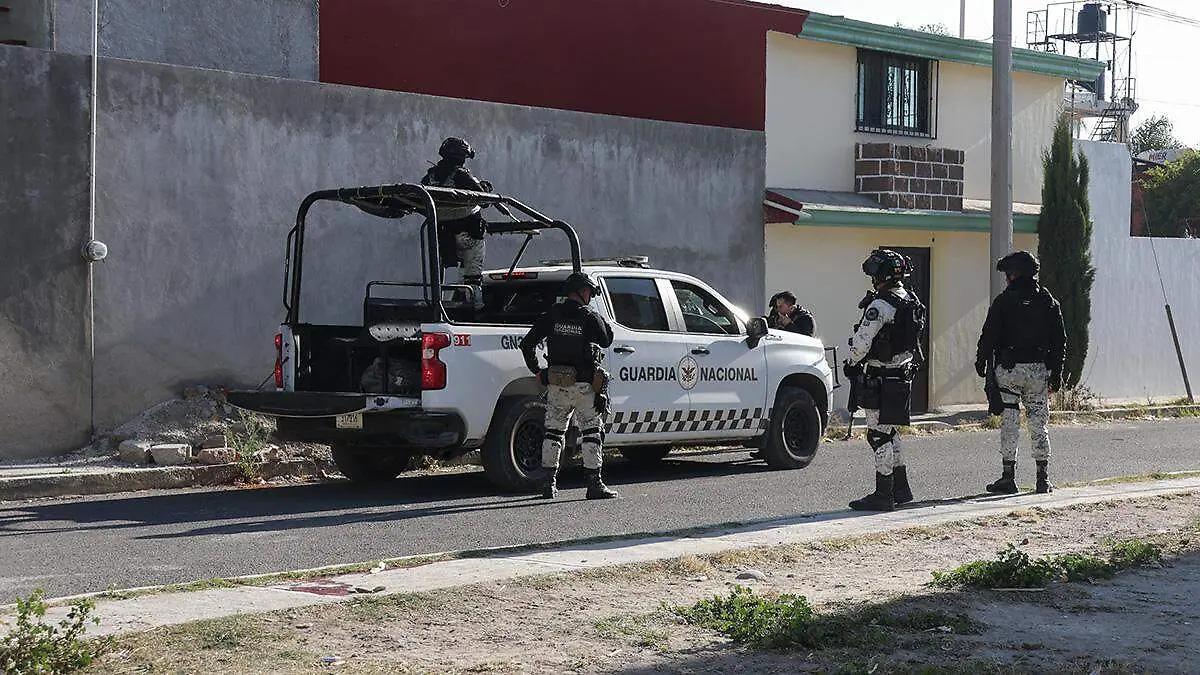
<point>755,329</point>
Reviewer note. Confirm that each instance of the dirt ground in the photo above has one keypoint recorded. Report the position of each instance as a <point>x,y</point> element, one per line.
<point>618,620</point>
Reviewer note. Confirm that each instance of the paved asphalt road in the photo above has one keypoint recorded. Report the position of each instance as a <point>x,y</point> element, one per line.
<point>80,545</point>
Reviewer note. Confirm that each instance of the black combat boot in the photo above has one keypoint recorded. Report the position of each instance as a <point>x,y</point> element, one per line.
<point>550,487</point>
<point>1043,482</point>
<point>596,488</point>
<point>1007,485</point>
<point>900,489</point>
<point>879,500</point>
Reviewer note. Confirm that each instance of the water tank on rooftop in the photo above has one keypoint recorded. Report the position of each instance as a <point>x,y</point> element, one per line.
<point>1092,19</point>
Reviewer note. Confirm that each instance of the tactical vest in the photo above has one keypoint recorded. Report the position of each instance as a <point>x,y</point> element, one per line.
<point>570,341</point>
<point>445,213</point>
<point>1026,324</point>
<point>904,332</point>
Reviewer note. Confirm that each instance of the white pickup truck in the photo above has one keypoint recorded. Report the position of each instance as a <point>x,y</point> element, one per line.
<point>435,375</point>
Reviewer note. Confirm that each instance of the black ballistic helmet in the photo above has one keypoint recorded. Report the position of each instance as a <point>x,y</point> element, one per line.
<point>456,148</point>
<point>579,281</point>
<point>1020,263</point>
<point>886,265</point>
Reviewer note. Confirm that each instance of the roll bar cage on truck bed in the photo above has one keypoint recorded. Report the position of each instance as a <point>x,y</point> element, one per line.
<point>403,199</point>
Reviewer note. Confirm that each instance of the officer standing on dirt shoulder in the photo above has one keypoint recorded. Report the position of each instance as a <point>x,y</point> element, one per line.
<point>575,384</point>
<point>885,351</point>
<point>1024,342</point>
<point>461,228</point>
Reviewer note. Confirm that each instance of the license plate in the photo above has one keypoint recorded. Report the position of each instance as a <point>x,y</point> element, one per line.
<point>350,421</point>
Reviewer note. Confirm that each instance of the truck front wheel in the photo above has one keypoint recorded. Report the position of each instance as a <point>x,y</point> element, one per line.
<point>363,465</point>
<point>794,434</point>
<point>512,451</point>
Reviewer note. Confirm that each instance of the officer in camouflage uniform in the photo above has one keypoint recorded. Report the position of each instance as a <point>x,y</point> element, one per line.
<point>461,228</point>
<point>885,351</point>
<point>1024,340</point>
<point>574,381</point>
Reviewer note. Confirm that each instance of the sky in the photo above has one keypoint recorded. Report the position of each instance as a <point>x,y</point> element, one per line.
<point>1162,79</point>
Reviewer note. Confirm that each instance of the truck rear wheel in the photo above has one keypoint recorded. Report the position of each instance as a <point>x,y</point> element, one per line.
<point>512,451</point>
<point>369,465</point>
<point>794,434</point>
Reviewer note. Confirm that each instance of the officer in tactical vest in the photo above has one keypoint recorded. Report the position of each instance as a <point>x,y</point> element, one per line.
<point>575,382</point>
<point>461,228</point>
<point>1024,343</point>
<point>885,352</point>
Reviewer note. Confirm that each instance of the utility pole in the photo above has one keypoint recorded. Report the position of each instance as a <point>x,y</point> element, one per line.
<point>1001,193</point>
<point>962,18</point>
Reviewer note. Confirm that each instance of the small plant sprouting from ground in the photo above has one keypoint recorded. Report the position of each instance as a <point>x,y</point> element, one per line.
<point>1135,553</point>
<point>787,621</point>
<point>1015,569</point>
<point>249,446</point>
<point>992,422</point>
<point>1078,398</point>
<point>33,646</point>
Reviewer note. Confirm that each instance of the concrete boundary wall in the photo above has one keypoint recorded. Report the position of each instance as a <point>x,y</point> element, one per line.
<point>1131,355</point>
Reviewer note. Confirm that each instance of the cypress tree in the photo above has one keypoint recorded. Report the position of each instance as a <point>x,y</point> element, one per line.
<point>1064,244</point>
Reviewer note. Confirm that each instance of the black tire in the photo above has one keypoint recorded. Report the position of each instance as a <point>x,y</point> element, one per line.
<point>369,465</point>
<point>512,451</point>
<point>794,434</point>
<point>645,455</point>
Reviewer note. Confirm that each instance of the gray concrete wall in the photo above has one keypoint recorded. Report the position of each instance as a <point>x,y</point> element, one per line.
<point>199,178</point>
<point>263,37</point>
<point>29,21</point>
<point>1131,354</point>
<point>203,172</point>
<point>45,379</point>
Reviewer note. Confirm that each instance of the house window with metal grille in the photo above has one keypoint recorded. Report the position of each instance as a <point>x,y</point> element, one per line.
<point>896,94</point>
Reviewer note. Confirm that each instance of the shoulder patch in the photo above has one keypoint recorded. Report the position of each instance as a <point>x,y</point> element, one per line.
<point>872,314</point>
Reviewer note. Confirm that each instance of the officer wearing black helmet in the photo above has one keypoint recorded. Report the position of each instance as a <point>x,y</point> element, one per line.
<point>1024,341</point>
<point>461,229</point>
<point>575,383</point>
<point>885,351</point>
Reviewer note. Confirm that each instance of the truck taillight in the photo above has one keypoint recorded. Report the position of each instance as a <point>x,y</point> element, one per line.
<point>279,360</point>
<point>433,371</point>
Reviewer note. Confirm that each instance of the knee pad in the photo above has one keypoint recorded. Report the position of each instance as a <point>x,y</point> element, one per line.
<point>878,439</point>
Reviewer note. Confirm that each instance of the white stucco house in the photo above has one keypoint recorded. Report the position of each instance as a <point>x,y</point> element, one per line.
<point>880,136</point>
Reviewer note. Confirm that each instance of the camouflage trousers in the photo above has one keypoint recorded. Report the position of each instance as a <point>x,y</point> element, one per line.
<point>563,403</point>
<point>470,262</point>
<point>885,442</point>
<point>1027,383</point>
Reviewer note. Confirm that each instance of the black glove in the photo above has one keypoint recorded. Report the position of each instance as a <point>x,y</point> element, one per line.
<point>850,370</point>
<point>600,403</point>
<point>981,368</point>
<point>1055,382</point>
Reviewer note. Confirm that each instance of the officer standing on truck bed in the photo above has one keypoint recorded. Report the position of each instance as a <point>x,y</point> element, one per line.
<point>885,351</point>
<point>1023,344</point>
<point>574,381</point>
<point>461,229</point>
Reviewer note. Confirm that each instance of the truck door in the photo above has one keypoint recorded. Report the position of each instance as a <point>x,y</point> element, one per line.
<point>729,388</point>
<point>649,405</point>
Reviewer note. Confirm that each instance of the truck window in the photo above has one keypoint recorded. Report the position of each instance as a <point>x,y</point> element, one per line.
<point>703,313</point>
<point>518,302</point>
<point>636,303</point>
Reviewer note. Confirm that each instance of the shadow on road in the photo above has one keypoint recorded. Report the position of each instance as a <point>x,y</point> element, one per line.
<point>410,496</point>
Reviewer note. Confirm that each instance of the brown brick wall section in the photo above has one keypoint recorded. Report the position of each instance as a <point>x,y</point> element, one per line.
<point>909,176</point>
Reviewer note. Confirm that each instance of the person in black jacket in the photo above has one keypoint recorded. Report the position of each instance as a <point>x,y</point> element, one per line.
<point>461,229</point>
<point>1024,341</point>
<point>575,384</point>
<point>787,315</point>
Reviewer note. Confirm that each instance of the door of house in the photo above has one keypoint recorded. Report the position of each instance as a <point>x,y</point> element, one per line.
<point>920,283</point>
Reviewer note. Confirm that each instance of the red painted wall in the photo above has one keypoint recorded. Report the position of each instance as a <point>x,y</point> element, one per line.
<point>697,61</point>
